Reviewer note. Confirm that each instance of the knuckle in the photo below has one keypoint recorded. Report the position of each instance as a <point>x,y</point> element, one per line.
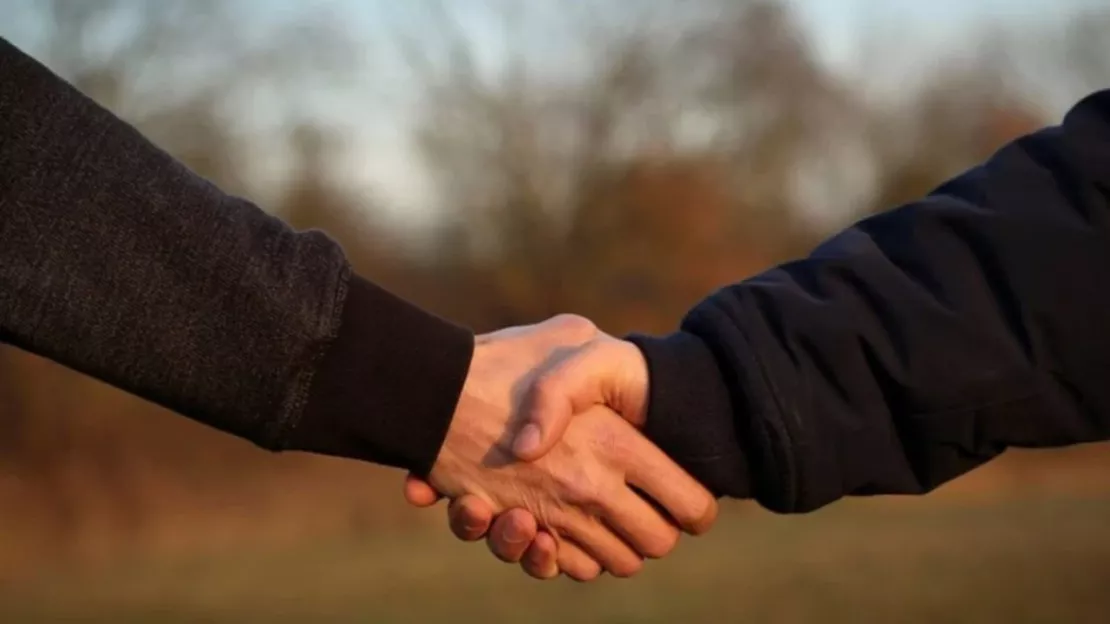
<point>576,484</point>
<point>589,486</point>
<point>583,492</point>
<point>621,441</point>
<point>614,442</point>
<point>575,325</point>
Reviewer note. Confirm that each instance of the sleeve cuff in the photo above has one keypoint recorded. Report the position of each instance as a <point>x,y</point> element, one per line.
<point>387,387</point>
<point>690,415</point>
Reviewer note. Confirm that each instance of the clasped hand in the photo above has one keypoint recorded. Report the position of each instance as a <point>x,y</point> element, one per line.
<point>544,456</point>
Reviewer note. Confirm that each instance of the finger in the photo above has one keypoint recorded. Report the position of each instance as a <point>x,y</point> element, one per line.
<point>513,532</point>
<point>470,518</point>
<point>604,371</point>
<point>689,504</point>
<point>603,545</point>
<point>574,562</point>
<point>548,410</point>
<point>541,559</point>
<point>418,493</point>
<point>641,525</point>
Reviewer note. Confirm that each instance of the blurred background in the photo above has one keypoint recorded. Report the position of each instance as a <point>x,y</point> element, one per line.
<point>500,162</point>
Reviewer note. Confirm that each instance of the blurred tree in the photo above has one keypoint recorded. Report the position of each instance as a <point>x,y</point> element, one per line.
<point>1086,50</point>
<point>98,464</point>
<point>620,160</point>
<point>953,121</point>
<point>539,171</point>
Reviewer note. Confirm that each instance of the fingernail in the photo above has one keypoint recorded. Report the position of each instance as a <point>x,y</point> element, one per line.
<point>528,440</point>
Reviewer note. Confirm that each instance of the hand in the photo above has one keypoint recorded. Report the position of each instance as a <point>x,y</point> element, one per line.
<point>585,485</point>
<point>599,370</point>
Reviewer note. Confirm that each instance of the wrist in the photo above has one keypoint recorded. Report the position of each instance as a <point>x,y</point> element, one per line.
<point>389,384</point>
<point>690,413</point>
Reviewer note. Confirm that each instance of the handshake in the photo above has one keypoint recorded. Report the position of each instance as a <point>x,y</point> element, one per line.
<point>905,351</point>
<point>544,456</point>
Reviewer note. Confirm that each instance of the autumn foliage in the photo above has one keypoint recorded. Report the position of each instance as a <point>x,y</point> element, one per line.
<point>689,148</point>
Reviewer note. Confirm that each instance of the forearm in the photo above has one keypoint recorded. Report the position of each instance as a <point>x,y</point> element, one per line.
<point>924,341</point>
<point>119,262</point>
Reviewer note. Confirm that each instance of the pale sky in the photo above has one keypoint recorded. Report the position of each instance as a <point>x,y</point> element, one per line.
<point>848,34</point>
<point>840,25</point>
<point>853,36</point>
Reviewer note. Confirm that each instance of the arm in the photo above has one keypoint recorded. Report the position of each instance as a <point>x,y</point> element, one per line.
<point>902,353</point>
<point>910,348</point>
<point>117,261</point>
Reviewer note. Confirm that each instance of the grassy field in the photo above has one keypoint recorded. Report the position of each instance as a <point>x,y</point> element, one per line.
<point>1044,560</point>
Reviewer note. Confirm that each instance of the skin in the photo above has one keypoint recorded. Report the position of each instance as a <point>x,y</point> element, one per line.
<point>576,504</point>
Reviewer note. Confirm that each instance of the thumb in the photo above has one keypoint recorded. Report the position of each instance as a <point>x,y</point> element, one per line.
<point>606,371</point>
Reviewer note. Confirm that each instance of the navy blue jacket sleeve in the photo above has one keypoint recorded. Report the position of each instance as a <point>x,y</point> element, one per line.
<point>912,347</point>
